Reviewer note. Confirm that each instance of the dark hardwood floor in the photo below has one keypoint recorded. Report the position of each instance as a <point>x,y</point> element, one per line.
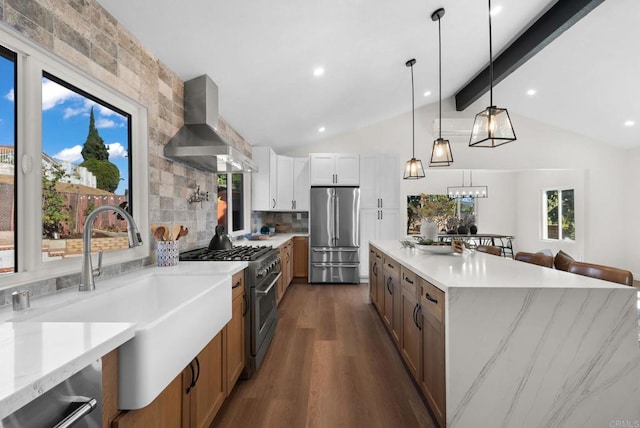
<point>331,364</point>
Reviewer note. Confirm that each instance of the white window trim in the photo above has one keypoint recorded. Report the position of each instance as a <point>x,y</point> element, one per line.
<point>544,237</point>
<point>32,60</point>
<point>246,196</point>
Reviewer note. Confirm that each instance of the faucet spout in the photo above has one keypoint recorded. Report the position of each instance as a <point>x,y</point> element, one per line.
<point>87,282</point>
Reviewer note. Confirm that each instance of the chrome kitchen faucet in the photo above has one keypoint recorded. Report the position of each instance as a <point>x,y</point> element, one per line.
<point>86,275</point>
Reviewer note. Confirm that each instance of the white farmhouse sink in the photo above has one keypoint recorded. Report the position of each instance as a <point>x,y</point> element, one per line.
<point>176,315</point>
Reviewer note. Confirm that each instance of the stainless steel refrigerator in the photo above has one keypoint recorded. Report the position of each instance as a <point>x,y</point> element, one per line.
<point>334,235</point>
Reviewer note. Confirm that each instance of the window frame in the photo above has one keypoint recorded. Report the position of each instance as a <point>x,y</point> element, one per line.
<point>32,61</point>
<point>544,210</point>
<point>246,201</point>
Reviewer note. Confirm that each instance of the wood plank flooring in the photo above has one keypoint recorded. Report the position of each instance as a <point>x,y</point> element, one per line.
<point>331,364</point>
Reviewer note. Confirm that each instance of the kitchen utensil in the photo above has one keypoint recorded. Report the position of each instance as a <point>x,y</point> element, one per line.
<point>166,233</point>
<point>153,229</point>
<point>184,231</point>
<point>220,240</point>
<point>159,233</point>
<point>175,232</point>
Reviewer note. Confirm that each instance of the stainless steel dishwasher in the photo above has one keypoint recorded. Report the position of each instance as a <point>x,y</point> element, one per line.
<point>75,402</point>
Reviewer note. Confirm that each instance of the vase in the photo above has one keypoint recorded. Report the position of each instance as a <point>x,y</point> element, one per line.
<point>462,230</point>
<point>429,230</point>
<point>473,229</point>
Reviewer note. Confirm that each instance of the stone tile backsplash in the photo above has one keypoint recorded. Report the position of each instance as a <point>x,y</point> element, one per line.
<point>288,221</point>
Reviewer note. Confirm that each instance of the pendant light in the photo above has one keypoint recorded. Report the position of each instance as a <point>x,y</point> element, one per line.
<point>441,153</point>
<point>413,169</point>
<point>492,126</point>
<point>459,192</point>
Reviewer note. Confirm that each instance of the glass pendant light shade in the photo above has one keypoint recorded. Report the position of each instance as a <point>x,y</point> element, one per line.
<point>492,128</point>
<point>441,153</point>
<point>413,169</point>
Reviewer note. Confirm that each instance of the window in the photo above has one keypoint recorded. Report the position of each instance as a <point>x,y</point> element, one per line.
<point>43,141</point>
<point>558,215</point>
<point>85,164</point>
<point>7,161</point>
<point>232,212</point>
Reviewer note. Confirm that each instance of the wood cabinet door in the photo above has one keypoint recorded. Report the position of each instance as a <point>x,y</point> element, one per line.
<point>289,262</point>
<point>373,290</point>
<point>163,412</point>
<point>300,257</point>
<point>396,323</point>
<point>387,314</point>
<point>432,380</point>
<point>411,339</point>
<point>234,334</point>
<point>208,394</point>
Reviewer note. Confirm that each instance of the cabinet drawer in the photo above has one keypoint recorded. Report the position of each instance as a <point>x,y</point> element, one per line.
<point>237,285</point>
<point>391,267</point>
<point>432,300</point>
<point>409,281</point>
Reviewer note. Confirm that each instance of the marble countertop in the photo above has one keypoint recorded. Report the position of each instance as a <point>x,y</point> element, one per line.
<point>274,240</point>
<point>475,269</point>
<point>35,357</point>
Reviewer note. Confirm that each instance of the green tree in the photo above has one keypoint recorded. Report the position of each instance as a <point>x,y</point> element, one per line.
<point>107,174</point>
<point>54,208</point>
<point>94,147</point>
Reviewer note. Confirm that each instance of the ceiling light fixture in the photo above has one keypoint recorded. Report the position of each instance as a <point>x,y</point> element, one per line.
<point>441,152</point>
<point>531,92</point>
<point>496,10</point>
<point>458,192</point>
<point>426,94</point>
<point>413,170</point>
<point>321,129</point>
<point>629,123</point>
<point>318,72</point>
<point>492,126</point>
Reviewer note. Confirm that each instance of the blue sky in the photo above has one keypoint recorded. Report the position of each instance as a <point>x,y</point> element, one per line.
<point>65,123</point>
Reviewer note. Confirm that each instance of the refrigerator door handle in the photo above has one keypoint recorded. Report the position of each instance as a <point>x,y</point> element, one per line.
<point>333,219</point>
<point>337,214</point>
<point>334,250</point>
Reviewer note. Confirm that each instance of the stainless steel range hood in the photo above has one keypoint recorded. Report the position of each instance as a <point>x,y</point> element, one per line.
<point>198,143</point>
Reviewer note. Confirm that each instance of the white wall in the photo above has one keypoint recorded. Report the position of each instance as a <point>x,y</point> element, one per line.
<point>609,176</point>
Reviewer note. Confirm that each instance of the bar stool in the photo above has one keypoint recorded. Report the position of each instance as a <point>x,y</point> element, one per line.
<point>605,273</point>
<point>489,249</point>
<point>539,259</point>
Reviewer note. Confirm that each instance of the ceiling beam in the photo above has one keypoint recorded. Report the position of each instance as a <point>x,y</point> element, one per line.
<point>558,19</point>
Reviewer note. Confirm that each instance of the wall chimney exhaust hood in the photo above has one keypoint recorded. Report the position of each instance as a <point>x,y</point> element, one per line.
<point>198,143</point>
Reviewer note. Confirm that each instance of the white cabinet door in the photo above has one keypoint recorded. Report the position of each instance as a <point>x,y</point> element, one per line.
<point>389,176</point>
<point>389,224</point>
<point>323,167</point>
<point>284,200</point>
<point>347,169</point>
<point>263,182</point>
<point>369,195</point>
<point>301,188</point>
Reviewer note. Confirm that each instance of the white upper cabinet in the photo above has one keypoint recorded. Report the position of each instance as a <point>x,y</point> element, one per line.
<point>293,184</point>
<point>380,181</point>
<point>284,198</point>
<point>335,169</point>
<point>301,186</point>
<point>264,182</point>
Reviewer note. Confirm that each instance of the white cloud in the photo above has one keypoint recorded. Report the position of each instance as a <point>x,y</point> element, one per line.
<point>70,112</point>
<point>54,94</point>
<point>116,150</point>
<point>105,123</point>
<point>11,95</point>
<point>70,154</point>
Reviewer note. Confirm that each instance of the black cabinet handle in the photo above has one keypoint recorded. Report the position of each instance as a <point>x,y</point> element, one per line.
<point>389,285</point>
<point>195,381</point>
<point>408,280</point>
<point>418,311</point>
<point>274,203</point>
<point>245,305</point>
<point>375,269</point>
<point>193,376</point>
<point>237,284</point>
<point>431,299</point>
<point>390,265</point>
<point>415,309</point>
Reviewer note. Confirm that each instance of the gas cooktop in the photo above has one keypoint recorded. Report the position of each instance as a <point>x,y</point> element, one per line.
<point>240,253</point>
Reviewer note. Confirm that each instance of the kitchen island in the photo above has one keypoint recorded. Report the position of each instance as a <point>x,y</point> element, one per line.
<point>522,345</point>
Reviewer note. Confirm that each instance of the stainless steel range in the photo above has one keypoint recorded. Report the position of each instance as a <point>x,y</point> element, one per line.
<point>261,277</point>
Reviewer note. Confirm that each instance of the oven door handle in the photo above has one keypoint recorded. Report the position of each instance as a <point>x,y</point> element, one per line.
<point>266,291</point>
<point>326,265</point>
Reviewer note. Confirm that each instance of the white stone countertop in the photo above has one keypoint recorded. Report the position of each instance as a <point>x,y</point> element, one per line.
<point>35,357</point>
<point>475,269</point>
<point>274,240</point>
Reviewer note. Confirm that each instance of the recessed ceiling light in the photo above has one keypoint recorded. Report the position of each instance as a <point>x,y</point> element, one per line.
<point>426,94</point>
<point>321,129</point>
<point>495,10</point>
<point>319,71</point>
<point>629,123</point>
<point>531,92</point>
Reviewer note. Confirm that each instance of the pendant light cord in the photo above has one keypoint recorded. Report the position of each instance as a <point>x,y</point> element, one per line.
<point>439,81</point>
<point>413,118</point>
<point>490,60</point>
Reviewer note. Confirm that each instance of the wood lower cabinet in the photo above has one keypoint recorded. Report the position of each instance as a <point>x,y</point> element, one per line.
<point>286,268</point>
<point>234,337</point>
<point>432,380</point>
<point>300,257</point>
<point>376,280</point>
<point>204,391</point>
<point>411,334</point>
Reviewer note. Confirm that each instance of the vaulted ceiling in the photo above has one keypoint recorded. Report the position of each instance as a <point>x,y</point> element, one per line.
<point>262,54</point>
